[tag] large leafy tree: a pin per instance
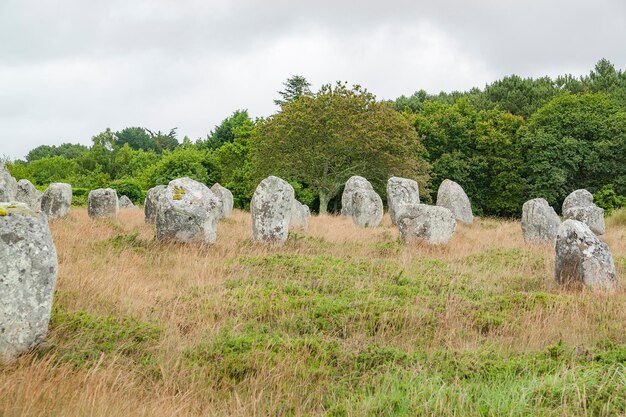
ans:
(226, 131)
(323, 139)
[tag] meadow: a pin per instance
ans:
(339, 321)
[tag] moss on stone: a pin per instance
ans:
(178, 193)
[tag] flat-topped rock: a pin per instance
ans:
(187, 212)
(352, 185)
(539, 221)
(57, 200)
(433, 224)
(28, 273)
(401, 191)
(582, 258)
(592, 216)
(300, 214)
(452, 196)
(226, 200)
(367, 208)
(270, 209)
(102, 203)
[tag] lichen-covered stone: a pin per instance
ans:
(452, 196)
(434, 224)
(578, 198)
(28, 272)
(353, 184)
(401, 191)
(270, 209)
(57, 200)
(28, 194)
(151, 202)
(126, 203)
(187, 211)
(102, 203)
(581, 258)
(539, 221)
(592, 216)
(226, 199)
(300, 214)
(8, 185)
(367, 208)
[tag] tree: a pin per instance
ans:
(165, 141)
(295, 86)
(182, 162)
(66, 150)
(225, 131)
(322, 140)
(137, 138)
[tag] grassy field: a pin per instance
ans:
(339, 321)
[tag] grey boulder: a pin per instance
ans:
(539, 221)
(28, 273)
(102, 203)
(8, 185)
(270, 209)
(226, 199)
(367, 208)
(578, 198)
(452, 196)
(582, 258)
(401, 191)
(187, 212)
(432, 224)
(352, 185)
(28, 194)
(57, 200)
(300, 215)
(151, 202)
(126, 203)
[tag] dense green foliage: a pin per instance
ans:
(515, 139)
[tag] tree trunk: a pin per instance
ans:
(323, 202)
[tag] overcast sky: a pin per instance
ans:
(71, 68)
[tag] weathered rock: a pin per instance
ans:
(367, 208)
(57, 200)
(300, 214)
(28, 272)
(151, 202)
(187, 211)
(581, 258)
(271, 210)
(539, 221)
(8, 185)
(434, 224)
(592, 216)
(226, 199)
(125, 203)
(578, 198)
(451, 196)
(353, 184)
(102, 203)
(27, 193)
(401, 191)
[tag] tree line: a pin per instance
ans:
(515, 139)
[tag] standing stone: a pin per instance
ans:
(57, 200)
(579, 206)
(451, 196)
(102, 203)
(300, 214)
(401, 191)
(151, 202)
(187, 212)
(27, 193)
(578, 198)
(271, 210)
(581, 258)
(353, 184)
(125, 203)
(226, 199)
(433, 224)
(539, 221)
(8, 185)
(367, 208)
(28, 272)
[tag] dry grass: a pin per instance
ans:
(339, 321)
